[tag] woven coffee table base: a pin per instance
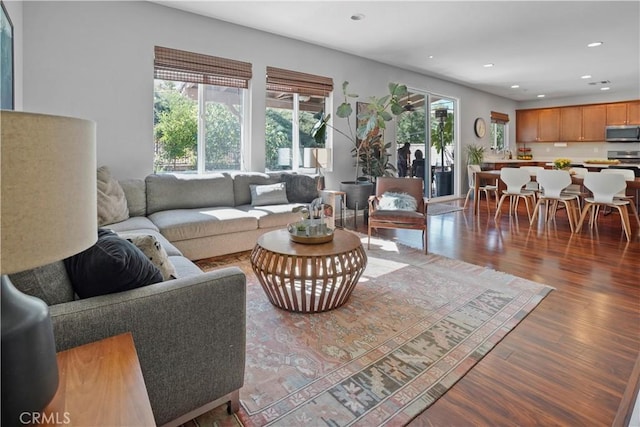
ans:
(308, 283)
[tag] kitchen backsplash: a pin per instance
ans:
(571, 150)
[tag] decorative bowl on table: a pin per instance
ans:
(310, 232)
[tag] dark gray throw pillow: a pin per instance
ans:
(111, 265)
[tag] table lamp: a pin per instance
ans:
(47, 213)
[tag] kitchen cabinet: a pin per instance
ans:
(623, 113)
(540, 125)
(583, 123)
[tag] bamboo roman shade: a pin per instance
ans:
(281, 80)
(499, 117)
(183, 66)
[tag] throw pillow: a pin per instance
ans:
(112, 203)
(397, 202)
(111, 265)
(153, 250)
(272, 194)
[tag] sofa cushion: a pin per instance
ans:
(274, 215)
(50, 283)
(112, 203)
(167, 192)
(133, 223)
(111, 265)
(184, 267)
(242, 181)
(135, 190)
(184, 224)
(152, 249)
(271, 194)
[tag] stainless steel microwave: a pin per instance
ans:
(625, 133)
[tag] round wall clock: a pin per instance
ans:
(480, 127)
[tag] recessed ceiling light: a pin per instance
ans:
(515, 86)
(540, 96)
(488, 65)
(594, 44)
(430, 56)
(586, 76)
(357, 17)
(605, 88)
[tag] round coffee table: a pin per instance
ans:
(308, 278)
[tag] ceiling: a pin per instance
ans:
(539, 45)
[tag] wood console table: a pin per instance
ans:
(101, 384)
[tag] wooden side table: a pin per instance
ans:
(308, 278)
(101, 384)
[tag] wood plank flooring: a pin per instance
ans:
(568, 363)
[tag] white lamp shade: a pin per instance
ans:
(47, 189)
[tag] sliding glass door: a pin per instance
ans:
(429, 125)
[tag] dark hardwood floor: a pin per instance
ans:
(568, 363)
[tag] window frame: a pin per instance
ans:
(207, 70)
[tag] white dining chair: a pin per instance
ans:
(515, 179)
(605, 187)
(577, 189)
(552, 183)
(471, 171)
(533, 171)
(629, 175)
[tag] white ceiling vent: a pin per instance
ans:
(601, 82)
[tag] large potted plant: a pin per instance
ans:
(369, 149)
(441, 139)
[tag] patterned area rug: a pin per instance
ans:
(414, 326)
(441, 208)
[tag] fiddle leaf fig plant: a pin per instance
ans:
(369, 149)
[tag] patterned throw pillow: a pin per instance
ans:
(153, 250)
(397, 202)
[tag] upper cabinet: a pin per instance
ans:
(541, 125)
(623, 113)
(581, 123)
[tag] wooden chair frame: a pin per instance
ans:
(399, 219)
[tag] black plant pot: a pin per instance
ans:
(444, 183)
(358, 193)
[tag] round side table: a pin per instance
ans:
(308, 278)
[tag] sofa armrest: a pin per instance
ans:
(189, 334)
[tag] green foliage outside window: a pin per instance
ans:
(176, 128)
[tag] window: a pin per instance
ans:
(199, 111)
(499, 140)
(294, 101)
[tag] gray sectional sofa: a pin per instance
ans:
(189, 332)
(212, 216)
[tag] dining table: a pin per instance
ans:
(493, 177)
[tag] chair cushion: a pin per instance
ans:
(397, 216)
(111, 265)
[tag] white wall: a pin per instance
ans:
(95, 60)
